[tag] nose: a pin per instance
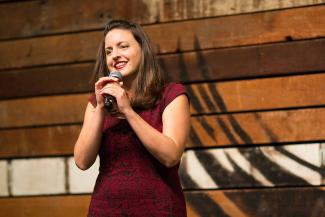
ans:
(115, 54)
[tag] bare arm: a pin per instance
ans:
(169, 145)
(88, 142)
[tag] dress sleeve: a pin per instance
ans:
(172, 91)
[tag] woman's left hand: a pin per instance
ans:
(116, 90)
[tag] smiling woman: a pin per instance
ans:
(140, 149)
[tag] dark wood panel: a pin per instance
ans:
(219, 64)
(258, 128)
(207, 131)
(283, 202)
(257, 94)
(230, 96)
(267, 166)
(58, 49)
(45, 141)
(305, 202)
(239, 30)
(51, 17)
(244, 62)
(73, 78)
(51, 110)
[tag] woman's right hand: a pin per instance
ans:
(99, 86)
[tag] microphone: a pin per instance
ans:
(110, 101)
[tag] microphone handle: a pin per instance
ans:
(109, 102)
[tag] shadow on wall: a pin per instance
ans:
(267, 172)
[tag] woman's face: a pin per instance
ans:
(123, 52)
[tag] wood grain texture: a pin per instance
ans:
(264, 202)
(239, 30)
(53, 206)
(43, 110)
(268, 166)
(300, 125)
(35, 142)
(207, 131)
(257, 94)
(218, 64)
(34, 18)
(280, 202)
(74, 78)
(206, 98)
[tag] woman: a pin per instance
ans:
(139, 145)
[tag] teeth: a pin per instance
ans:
(120, 64)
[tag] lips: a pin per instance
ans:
(120, 65)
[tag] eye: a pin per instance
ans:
(123, 46)
(108, 52)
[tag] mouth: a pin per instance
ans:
(120, 65)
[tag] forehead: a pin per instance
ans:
(118, 35)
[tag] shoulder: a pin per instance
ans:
(171, 91)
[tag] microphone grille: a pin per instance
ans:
(115, 74)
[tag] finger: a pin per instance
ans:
(104, 81)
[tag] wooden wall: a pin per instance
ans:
(254, 71)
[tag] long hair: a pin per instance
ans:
(150, 80)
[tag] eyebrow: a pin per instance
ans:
(117, 44)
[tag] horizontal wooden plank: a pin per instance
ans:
(43, 110)
(230, 96)
(52, 206)
(53, 17)
(45, 141)
(253, 61)
(257, 94)
(300, 125)
(46, 81)
(207, 131)
(244, 62)
(269, 166)
(234, 203)
(239, 30)
(260, 202)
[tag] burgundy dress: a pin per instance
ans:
(131, 182)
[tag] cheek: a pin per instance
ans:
(108, 62)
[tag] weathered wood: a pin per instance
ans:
(50, 110)
(245, 62)
(33, 18)
(45, 141)
(219, 64)
(240, 30)
(73, 78)
(49, 50)
(54, 206)
(258, 128)
(207, 131)
(230, 96)
(260, 202)
(59, 16)
(258, 94)
(280, 202)
(269, 166)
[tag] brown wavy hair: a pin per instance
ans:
(150, 80)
